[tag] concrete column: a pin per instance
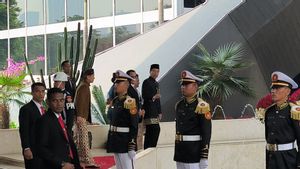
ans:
(160, 12)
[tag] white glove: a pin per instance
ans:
(203, 163)
(131, 154)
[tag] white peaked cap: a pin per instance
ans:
(281, 79)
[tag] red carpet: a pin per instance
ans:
(105, 161)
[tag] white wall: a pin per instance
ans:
(165, 45)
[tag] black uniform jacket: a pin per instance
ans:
(53, 147)
(117, 142)
(190, 123)
(280, 128)
(152, 108)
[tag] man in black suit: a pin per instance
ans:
(60, 79)
(29, 114)
(70, 85)
(152, 107)
(55, 146)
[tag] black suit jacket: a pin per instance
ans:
(70, 86)
(152, 108)
(28, 115)
(53, 148)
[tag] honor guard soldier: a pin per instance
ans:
(124, 124)
(193, 126)
(60, 79)
(282, 125)
(152, 107)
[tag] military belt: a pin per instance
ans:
(119, 129)
(280, 147)
(151, 121)
(179, 137)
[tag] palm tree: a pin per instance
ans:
(218, 70)
(11, 91)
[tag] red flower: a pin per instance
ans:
(265, 102)
(295, 96)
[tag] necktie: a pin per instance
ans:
(62, 125)
(42, 110)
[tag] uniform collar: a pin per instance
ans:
(282, 106)
(191, 99)
(122, 97)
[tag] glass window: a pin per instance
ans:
(52, 51)
(105, 38)
(75, 10)
(35, 48)
(100, 8)
(3, 16)
(167, 3)
(16, 13)
(55, 11)
(150, 5)
(126, 32)
(128, 6)
(149, 26)
(17, 49)
(35, 12)
(3, 53)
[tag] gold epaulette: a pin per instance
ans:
(295, 111)
(260, 114)
(202, 107)
(130, 104)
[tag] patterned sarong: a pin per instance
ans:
(82, 142)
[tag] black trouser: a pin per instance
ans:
(281, 159)
(151, 135)
(32, 164)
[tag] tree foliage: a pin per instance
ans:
(219, 72)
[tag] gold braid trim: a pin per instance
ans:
(130, 104)
(202, 107)
(295, 111)
(260, 114)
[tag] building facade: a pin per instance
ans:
(35, 27)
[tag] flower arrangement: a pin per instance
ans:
(11, 85)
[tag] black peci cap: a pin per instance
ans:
(154, 66)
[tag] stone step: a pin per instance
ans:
(15, 160)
